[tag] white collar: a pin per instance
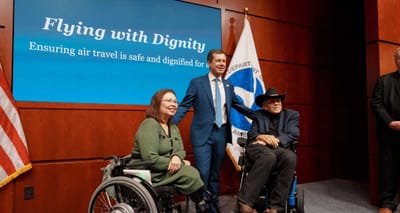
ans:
(211, 77)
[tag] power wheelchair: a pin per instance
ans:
(126, 189)
(295, 202)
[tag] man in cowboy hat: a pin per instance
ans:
(269, 139)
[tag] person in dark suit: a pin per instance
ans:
(212, 98)
(269, 139)
(385, 103)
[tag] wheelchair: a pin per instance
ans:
(295, 202)
(126, 188)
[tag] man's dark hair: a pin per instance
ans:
(210, 55)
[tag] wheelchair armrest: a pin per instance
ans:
(126, 159)
(140, 164)
(111, 157)
(123, 159)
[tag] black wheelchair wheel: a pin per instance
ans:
(121, 195)
(300, 201)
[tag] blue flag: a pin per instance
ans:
(245, 74)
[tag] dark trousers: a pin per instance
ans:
(209, 158)
(389, 165)
(264, 161)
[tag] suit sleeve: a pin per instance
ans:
(240, 107)
(186, 103)
(292, 132)
(377, 105)
(254, 130)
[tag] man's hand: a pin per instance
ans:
(269, 140)
(395, 125)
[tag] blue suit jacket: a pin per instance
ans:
(199, 96)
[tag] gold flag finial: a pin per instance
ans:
(246, 10)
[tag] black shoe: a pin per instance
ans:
(202, 207)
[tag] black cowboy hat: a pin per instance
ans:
(269, 94)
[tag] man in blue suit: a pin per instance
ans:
(211, 96)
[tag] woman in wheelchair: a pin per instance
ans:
(159, 139)
(268, 150)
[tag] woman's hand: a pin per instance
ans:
(187, 163)
(174, 164)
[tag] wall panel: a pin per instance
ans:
(7, 197)
(58, 187)
(388, 19)
(386, 57)
(294, 80)
(314, 130)
(77, 134)
(278, 41)
(371, 20)
(229, 177)
(307, 12)
(314, 163)
(373, 66)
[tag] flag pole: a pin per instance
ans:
(244, 67)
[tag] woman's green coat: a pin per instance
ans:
(152, 143)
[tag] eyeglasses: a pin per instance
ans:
(174, 101)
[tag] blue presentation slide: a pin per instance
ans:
(109, 51)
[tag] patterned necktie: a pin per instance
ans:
(218, 112)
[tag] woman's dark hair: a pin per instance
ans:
(154, 108)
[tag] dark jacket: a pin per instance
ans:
(385, 103)
(288, 130)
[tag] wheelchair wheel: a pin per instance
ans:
(121, 195)
(300, 201)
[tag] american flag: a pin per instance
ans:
(14, 155)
